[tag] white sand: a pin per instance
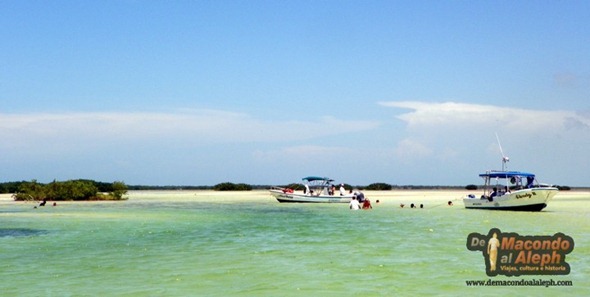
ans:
(394, 197)
(6, 197)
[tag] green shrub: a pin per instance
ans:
(67, 190)
(378, 187)
(30, 191)
(119, 189)
(227, 186)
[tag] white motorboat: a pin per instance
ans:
(511, 190)
(317, 190)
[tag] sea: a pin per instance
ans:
(204, 243)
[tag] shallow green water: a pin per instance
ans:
(159, 246)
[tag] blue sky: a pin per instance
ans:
(266, 92)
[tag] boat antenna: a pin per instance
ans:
(505, 159)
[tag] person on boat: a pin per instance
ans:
(342, 190)
(367, 204)
(494, 193)
(307, 191)
(332, 190)
(354, 204)
(529, 182)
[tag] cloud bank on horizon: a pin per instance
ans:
(464, 117)
(550, 142)
(438, 140)
(195, 127)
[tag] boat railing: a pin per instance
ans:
(282, 189)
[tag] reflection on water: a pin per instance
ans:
(16, 232)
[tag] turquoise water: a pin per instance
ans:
(161, 244)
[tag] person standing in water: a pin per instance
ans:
(354, 204)
(367, 204)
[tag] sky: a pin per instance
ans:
(268, 92)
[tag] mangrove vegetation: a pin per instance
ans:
(71, 190)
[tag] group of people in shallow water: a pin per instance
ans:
(366, 204)
(411, 205)
(449, 203)
(355, 203)
(43, 202)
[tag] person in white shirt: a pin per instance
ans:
(342, 190)
(354, 204)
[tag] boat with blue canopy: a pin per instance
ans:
(317, 189)
(511, 190)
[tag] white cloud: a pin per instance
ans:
(461, 137)
(71, 131)
(463, 116)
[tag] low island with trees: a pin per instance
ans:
(71, 190)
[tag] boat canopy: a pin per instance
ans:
(506, 174)
(314, 178)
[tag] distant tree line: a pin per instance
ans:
(389, 187)
(169, 187)
(379, 187)
(232, 187)
(65, 190)
(89, 189)
(374, 187)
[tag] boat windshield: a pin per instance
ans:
(501, 182)
(320, 185)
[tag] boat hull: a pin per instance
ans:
(534, 199)
(286, 197)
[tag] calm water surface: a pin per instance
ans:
(161, 244)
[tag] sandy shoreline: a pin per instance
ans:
(427, 197)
